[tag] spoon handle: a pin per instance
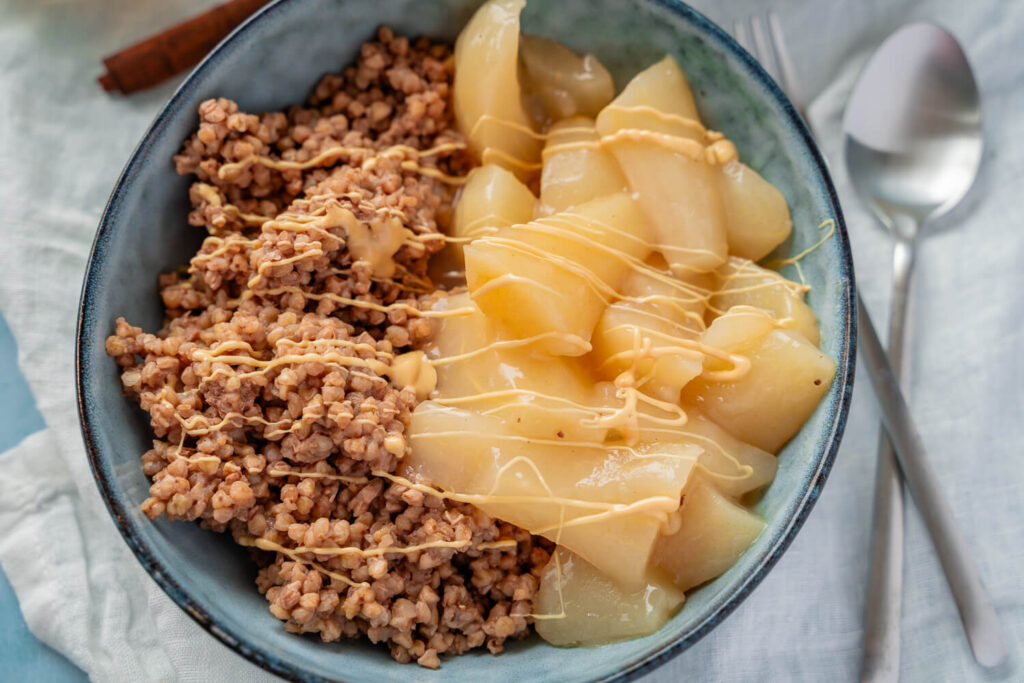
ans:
(881, 657)
(976, 612)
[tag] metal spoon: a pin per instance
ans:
(913, 147)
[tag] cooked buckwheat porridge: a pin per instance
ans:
(279, 448)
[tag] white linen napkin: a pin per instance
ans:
(63, 142)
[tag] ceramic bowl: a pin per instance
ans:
(271, 62)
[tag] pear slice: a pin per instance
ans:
(742, 283)
(576, 168)
(596, 609)
(712, 533)
(653, 130)
(554, 277)
(756, 214)
(605, 502)
(486, 91)
(561, 83)
(787, 377)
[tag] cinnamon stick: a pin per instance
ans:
(180, 47)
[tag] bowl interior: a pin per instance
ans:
(272, 62)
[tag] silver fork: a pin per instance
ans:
(884, 603)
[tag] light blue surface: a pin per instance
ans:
(22, 656)
(145, 231)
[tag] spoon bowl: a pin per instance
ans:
(913, 128)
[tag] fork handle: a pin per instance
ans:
(880, 661)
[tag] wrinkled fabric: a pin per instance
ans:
(63, 143)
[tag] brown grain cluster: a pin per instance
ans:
(267, 389)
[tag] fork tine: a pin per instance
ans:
(790, 83)
(763, 48)
(739, 32)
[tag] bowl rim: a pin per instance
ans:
(649, 660)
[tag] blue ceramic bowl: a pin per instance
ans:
(271, 62)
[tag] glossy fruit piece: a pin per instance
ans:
(558, 488)
(713, 531)
(596, 609)
(741, 282)
(486, 91)
(663, 87)
(756, 214)
(555, 276)
(541, 396)
(492, 198)
(560, 83)
(576, 168)
(657, 312)
(733, 466)
(767, 404)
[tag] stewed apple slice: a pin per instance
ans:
(734, 467)
(658, 98)
(554, 276)
(645, 332)
(479, 368)
(532, 295)
(653, 130)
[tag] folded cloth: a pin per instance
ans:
(63, 141)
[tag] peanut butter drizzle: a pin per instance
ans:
(650, 506)
(317, 475)
(210, 195)
(223, 245)
(270, 546)
(414, 370)
(508, 344)
(334, 154)
(795, 260)
(696, 126)
(294, 553)
(747, 270)
(190, 424)
(328, 358)
(706, 145)
(355, 303)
